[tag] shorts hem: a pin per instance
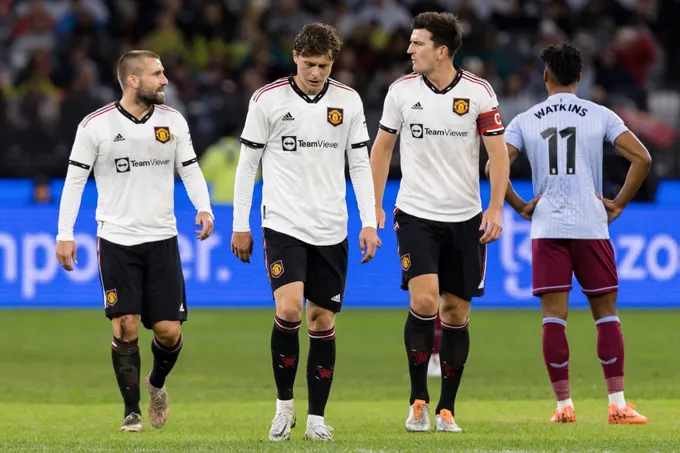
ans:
(600, 291)
(335, 308)
(552, 289)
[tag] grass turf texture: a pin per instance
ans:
(58, 392)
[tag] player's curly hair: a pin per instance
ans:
(445, 28)
(564, 62)
(317, 39)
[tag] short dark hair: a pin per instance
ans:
(446, 29)
(317, 39)
(127, 64)
(564, 62)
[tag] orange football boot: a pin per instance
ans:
(566, 415)
(627, 416)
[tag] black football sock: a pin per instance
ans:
(126, 365)
(164, 358)
(453, 355)
(419, 340)
(285, 347)
(320, 368)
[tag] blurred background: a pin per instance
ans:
(59, 56)
(58, 61)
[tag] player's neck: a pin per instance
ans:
(552, 90)
(309, 92)
(442, 76)
(133, 107)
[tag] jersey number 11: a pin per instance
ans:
(570, 134)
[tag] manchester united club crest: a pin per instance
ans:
(461, 106)
(406, 262)
(276, 269)
(111, 297)
(334, 116)
(162, 134)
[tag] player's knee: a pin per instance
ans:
(167, 332)
(291, 312)
(454, 313)
(555, 305)
(425, 302)
(603, 306)
(126, 327)
(319, 319)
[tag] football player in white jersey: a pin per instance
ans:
(563, 138)
(301, 127)
(441, 111)
(134, 147)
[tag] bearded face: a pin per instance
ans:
(151, 94)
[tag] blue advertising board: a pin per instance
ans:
(646, 239)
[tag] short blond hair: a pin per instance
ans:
(128, 64)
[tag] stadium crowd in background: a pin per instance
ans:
(60, 55)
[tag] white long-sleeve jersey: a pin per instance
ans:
(302, 143)
(134, 163)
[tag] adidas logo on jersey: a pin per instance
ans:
(336, 298)
(288, 117)
(119, 138)
(417, 106)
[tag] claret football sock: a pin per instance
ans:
(453, 355)
(610, 350)
(126, 365)
(285, 349)
(556, 356)
(419, 340)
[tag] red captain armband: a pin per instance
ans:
(489, 123)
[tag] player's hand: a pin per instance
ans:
(380, 217)
(242, 245)
(368, 243)
(613, 209)
(527, 212)
(205, 220)
(66, 251)
(492, 225)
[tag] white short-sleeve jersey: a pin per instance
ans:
(439, 143)
(563, 137)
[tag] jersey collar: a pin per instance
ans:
(562, 95)
(299, 92)
(133, 118)
(454, 82)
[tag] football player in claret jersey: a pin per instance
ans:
(301, 127)
(440, 111)
(563, 138)
(134, 147)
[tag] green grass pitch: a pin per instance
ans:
(58, 392)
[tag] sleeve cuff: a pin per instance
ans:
(387, 129)
(372, 224)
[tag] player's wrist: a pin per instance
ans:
(495, 206)
(205, 211)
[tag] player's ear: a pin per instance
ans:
(578, 79)
(295, 57)
(546, 77)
